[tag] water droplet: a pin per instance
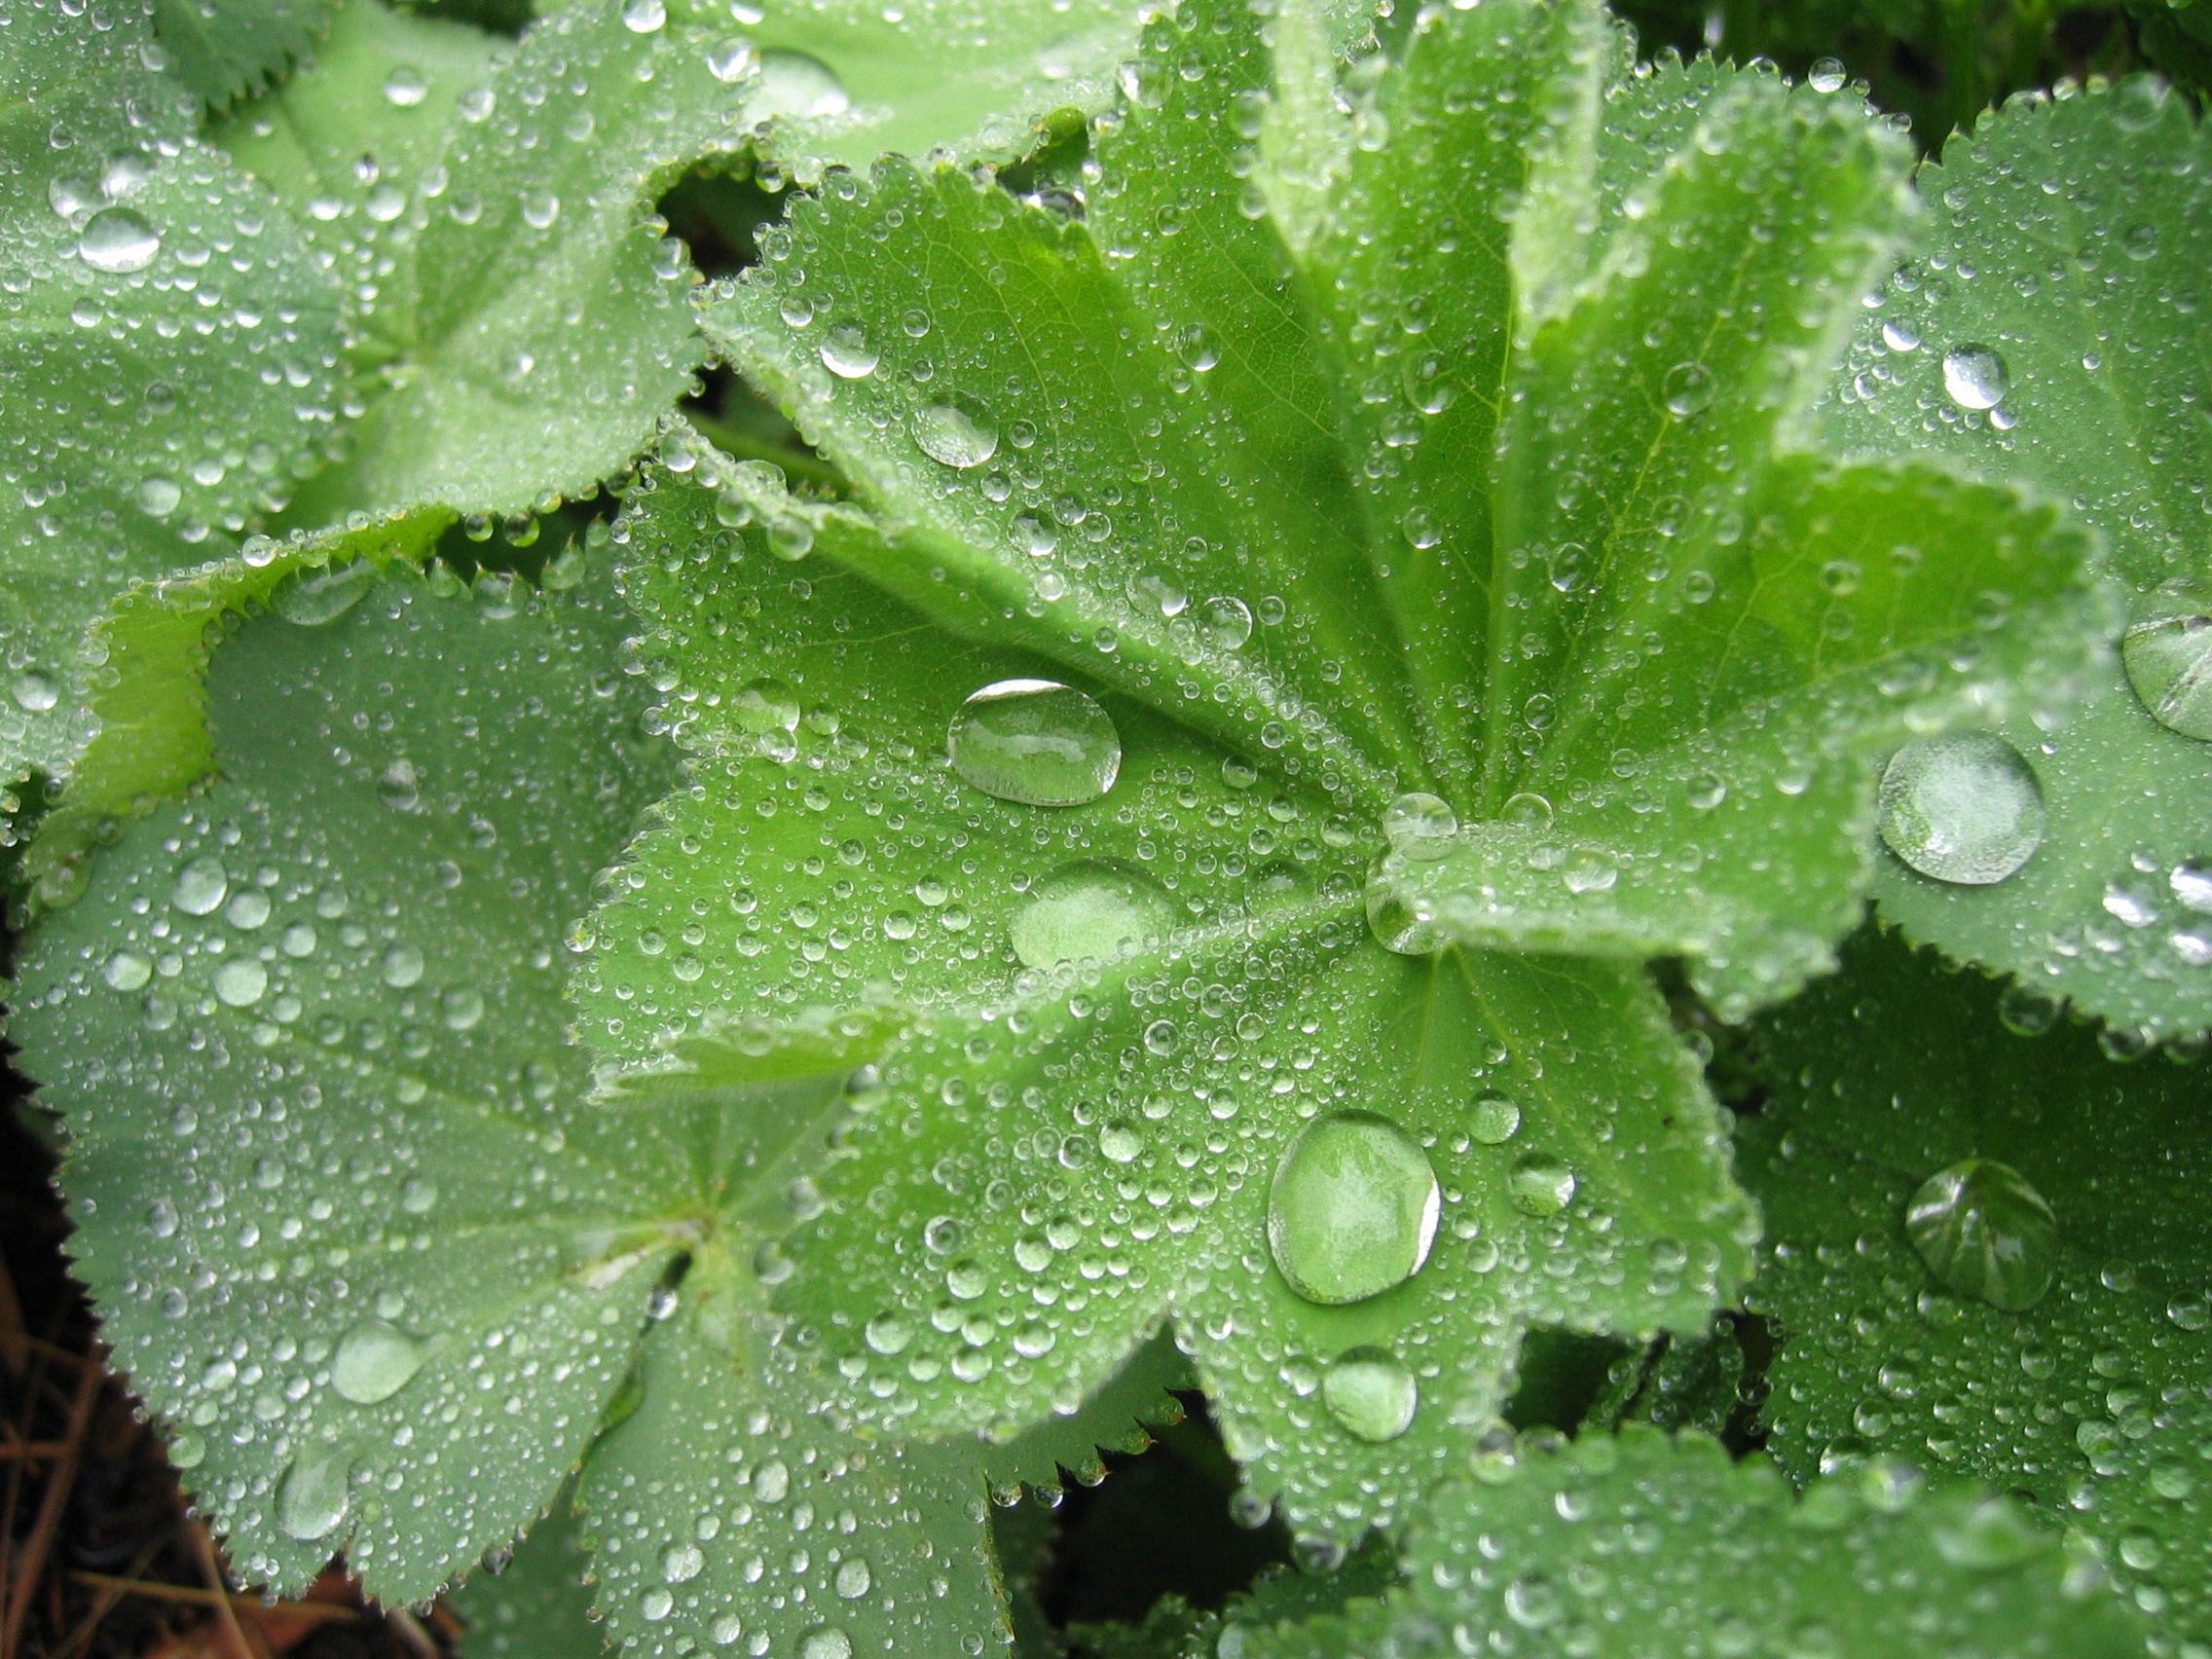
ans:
(418, 1197)
(1036, 742)
(399, 787)
(2167, 651)
(324, 596)
(117, 240)
(128, 971)
(405, 87)
(1198, 346)
(374, 1360)
(846, 352)
(826, 1641)
(539, 209)
(2028, 1010)
(1985, 1233)
(158, 498)
(795, 86)
(240, 982)
(730, 61)
(1974, 376)
(1689, 389)
(314, 1497)
(35, 692)
(1420, 825)
(1541, 1186)
(952, 436)
(854, 1578)
(1227, 623)
(680, 1564)
(1826, 75)
(888, 1334)
(1371, 1394)
(402, 967)
(655, 1604)
(201, 886)
(645, 17)
(1495, 1119)
(1964, 808)
(1086, 912)
(1353, 1208)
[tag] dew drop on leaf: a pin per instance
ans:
(324, 596)
(730, 59)
(1826, 75)
(1495, 1119)
(128, 971)
(1420, 825)
(374, 1360)
(1353, 1208)
(645, 17)
(1371, 1394)
(1974, 376)
(953, 437)
(1088, 911)
(853, 1576)
(313, 1498)
(1689, 389)
(117, 240)
(826, 1641)
(240, 982)
(846, 352)
(2167, 651)
(1036, 742)
(201, 886)
(1963, 808)
(795, 85)
(1541, 1186)
(405, 87)
(1984, 1231)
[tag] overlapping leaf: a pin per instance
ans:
(353, 1227)
(2090, 1399)
(223, 49)
(1644, 1548)
(169, 364)
(2055, 330)
(1219, 453)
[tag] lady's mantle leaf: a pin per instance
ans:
(169, 352)
(222, 49)
(355, 1231)
(2039, 1320)
(539, 1607)
(1641, 1547)
(2055, 330)
(1056, 1159)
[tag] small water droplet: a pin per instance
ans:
(1495, 1120)
(374, 1361)
(1352, 1210)
(846, 354)
(314, 1497)
(888, 1334)
(730, 61)
(852, 1579)
(1974, 376)
(826, 1641)
(1225, 621)
(240, 982)
(953, 437)
(1984, 1231)
(1964, 808)
(398, 786)
(680, 1564)
(1198, 346)
(645, 17)
(117, 240)
(128, 971)
(1036, 742)
(1371, 1394)
(405, 87)
(1090, 911)
(324, 596)
(35, 692)
(1826, 75)
(201, 885)
(1420, 825)
(1541, 1185)
(1689, 389)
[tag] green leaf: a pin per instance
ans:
(1641, 1546)
(150, 700)
(2090, 1401)
(348, 1234)
(1175, 1630)
(169, 368)
(525, 321)
(2070, 250)
(1164, 454)
(1102, 1147)
(537, 1606)
(223, 49)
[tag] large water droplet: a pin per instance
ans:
(2169, 655)
(845, 353)
(1371, 1393)
(1420, 825)
(405, 87)
(1985, 1233)
(1964, 808)
(854, 1577)
(314, 1498)
(240, 982)
(325, 595)
(953, 437)
(1974, 376)
(1541, 1186)
(1089, 911)
(375, 1361)
(1689, 389)
(117, 241)
(645, 17)
(201, 886)
(1353, 1208)
(795, 86)
(1036, 742)
(1495, 1119)
(826, 1641)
